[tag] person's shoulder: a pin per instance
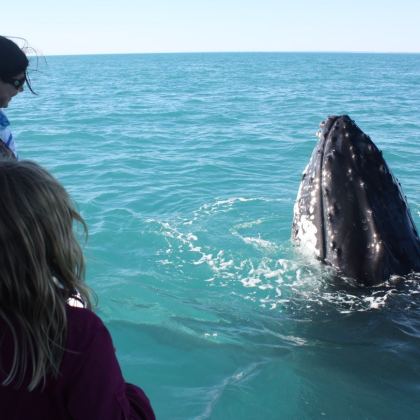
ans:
(83, 317)
(87, 337)
(82, 325)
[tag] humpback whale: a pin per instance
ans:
(350, 210)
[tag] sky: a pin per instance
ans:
(60, 27)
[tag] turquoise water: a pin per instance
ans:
(186, 168)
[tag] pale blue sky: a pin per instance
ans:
(130, 26)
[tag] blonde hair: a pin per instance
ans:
(41, 267)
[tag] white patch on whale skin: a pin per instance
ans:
(305, 229)
(306, 236)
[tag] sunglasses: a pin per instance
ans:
(17, 83)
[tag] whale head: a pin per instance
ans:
(350, 211)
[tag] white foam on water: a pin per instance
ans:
(260, 243)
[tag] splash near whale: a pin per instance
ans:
(350, 210)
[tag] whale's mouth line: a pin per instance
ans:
(324, 140)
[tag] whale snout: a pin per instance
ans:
(350, 210)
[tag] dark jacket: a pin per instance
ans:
(90, 385)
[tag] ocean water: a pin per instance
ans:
(186, 169)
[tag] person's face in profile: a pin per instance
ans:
(10, 87)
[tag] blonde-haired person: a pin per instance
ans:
(13, 76)
(56, 361)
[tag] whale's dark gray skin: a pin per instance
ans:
(350, 211)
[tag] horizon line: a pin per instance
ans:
(224, 52)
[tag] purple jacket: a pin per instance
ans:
(90, 385)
